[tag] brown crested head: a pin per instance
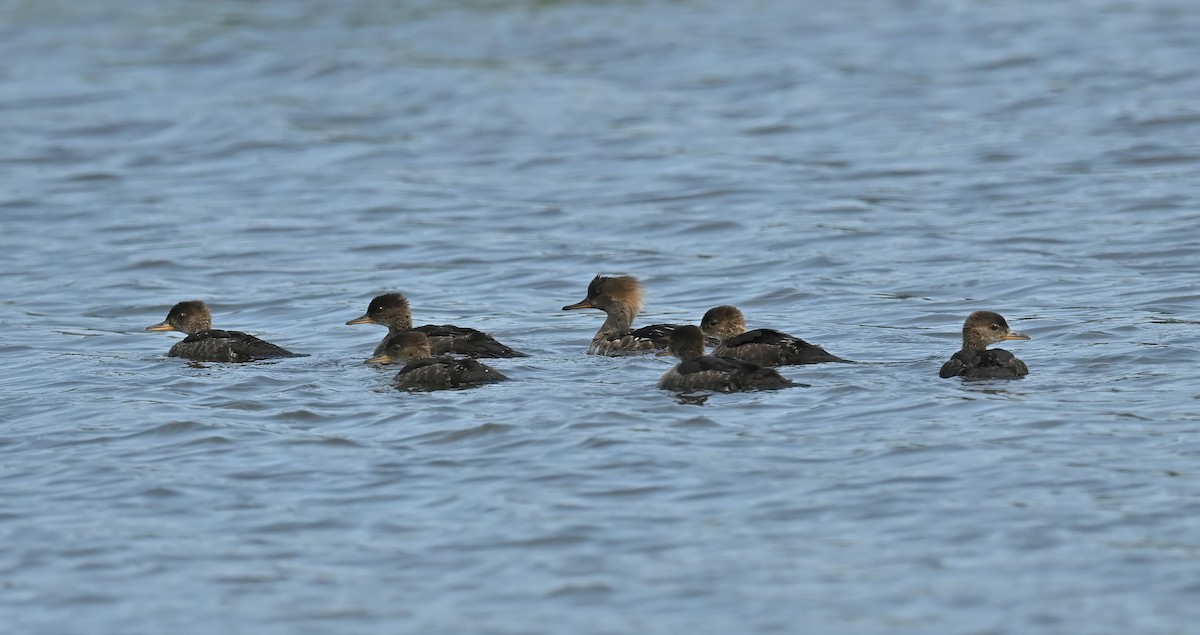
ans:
(390, 310)
(611, 292)
(403, 348)
(987, 327)
(687, 342)
(723, 322)
(191, 316)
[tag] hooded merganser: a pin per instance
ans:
(422, 371)
(976, 360)
(697, 371)
(765, 347)
(621, 298)
(391, 310)
(203, 344)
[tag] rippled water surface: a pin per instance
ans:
(861, 174)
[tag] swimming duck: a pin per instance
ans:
(976, 360)
(697, 371)
(422, 371)
(765, 347)
(204, 344)
(391, 310)
(621, 298)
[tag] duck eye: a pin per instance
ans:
(995, 327)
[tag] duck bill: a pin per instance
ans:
(582, 304)
(161, 326)
(663, 353)
(362, 319)
(379, 359)
(1015, 336)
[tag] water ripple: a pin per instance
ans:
(862, 178)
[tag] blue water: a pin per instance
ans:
(860, 174)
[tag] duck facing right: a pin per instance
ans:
(976, 360)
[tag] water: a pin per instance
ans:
(861, 174)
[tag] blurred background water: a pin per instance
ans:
(862, 174)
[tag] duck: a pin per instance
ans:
(765, 347)
(423, 371)
(205, 344)
(976, 360)
(392, 310)
(620, 297)
(697, 371)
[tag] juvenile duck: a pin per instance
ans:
(620, 297)
(204, 344)
(697, 371)
(765, 347)
(975, 360)
(422, 371)
(391, 310)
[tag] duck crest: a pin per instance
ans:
(626, 289)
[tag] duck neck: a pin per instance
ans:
(402, 324)
(620, 319)
(972, 342)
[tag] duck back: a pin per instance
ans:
(721, 374)
(994, 363)
(768, 347)
(226, 346)
(441, 373)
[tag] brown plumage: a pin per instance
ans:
(765, 347)
(620, 297)
(976, 360)
(205, 344)
(392, 310)
(422, 371)
(697, 371)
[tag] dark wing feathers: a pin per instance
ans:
(726, 374)
(954, 366)
(448, 339)
(769, 347)
(719, 364)
(763, 336)
(226, 346)
(659, 334)
(436, 373)
(995, 363)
